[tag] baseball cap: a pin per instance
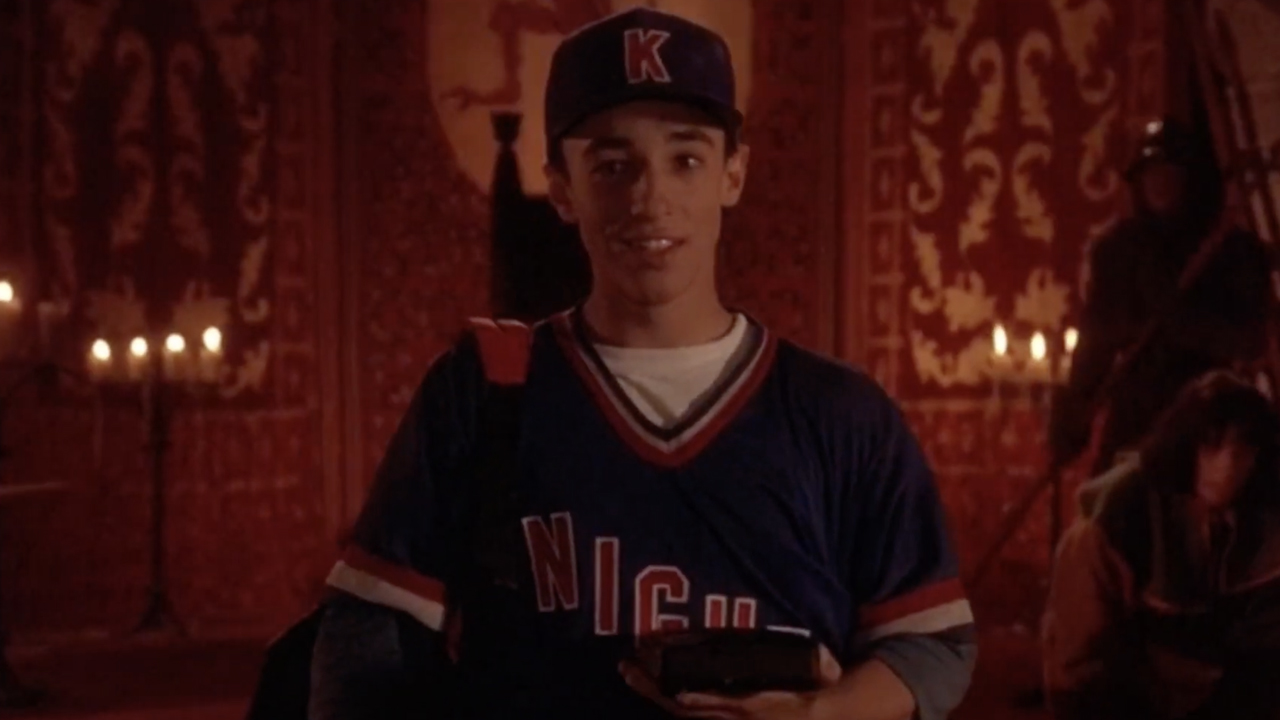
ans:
(639, 54)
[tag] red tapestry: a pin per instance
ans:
(174, 187)
(14, 131)
(155, 173)
(995, 146)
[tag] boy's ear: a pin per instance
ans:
(558, 193)
(735, 176)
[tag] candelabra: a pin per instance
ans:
(161, 380)
(124, 365)
(1034, 369)
(1031, 369)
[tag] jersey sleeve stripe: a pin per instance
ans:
(377, 581)
(947, 616)
(921, 599)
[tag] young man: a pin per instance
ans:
(678, 466)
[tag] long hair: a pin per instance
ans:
(1202, 414)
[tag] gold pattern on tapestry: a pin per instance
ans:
(1031, 98)
(252, 371)
(232, 29)
(1080, 24)
(186, 169)
(77, 27)
(254, 308)
(961, 355)
(228, 49)
(976, 226)
(1033, 216)
(963, 302)
(929, 156)
(118, 312)
(929, 264)
(986, 64)
(967, 304)
(964, 368)
(943, 35)
(1099, 181)
(1043, 302)
(133, 131)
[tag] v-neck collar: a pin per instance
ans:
(704, 420)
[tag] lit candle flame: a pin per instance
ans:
(212, 339)
(999, 340)
(1070, 338)
(101, 350)
(138, 347)
(1039, 349)
(175, 343)
(7, 294)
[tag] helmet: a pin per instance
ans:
(1163, 140)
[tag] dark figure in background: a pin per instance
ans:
(1219, 321)
(1165, 600)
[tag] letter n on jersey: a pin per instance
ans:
(657, 589)
(554, 561)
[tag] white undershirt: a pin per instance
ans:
(664, 382)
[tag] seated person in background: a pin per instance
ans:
(1165, 599)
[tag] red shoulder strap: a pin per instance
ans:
(504, 349)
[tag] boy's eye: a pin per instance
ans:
(688, 162)
(610, 168)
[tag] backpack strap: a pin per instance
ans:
(496, 539)
(504, 349)
(494, 543)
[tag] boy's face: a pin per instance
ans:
(646, 183)
(1222, 468)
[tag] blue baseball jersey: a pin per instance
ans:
(791, 497)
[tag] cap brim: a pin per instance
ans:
(1153, 156)
(728, 118)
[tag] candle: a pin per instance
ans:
(211, 355)
(174, 360)
(1001, 363)
(1070, 338)
(100, 361)
(1039, 347)
(999, 341)
(10, 315)
(1039, 369)
(136, 363)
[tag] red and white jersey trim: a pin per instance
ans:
(375, 580)
(931, 609)
(676, 445)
